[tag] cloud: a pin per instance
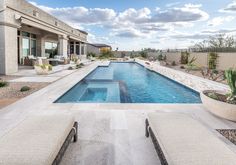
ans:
(229, 8)
(134, 16)
(204, 34)
(127, 33)
(220, 31)
(196, 36)
(188, 13)
(130, 23)
(219, 20)
(80, 15)
(99, 39)
(172, 4)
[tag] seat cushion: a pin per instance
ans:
(36, 140)
(185, 141)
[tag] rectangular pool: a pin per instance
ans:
(128, 83)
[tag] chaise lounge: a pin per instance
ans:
(38, 140)
(182, 140)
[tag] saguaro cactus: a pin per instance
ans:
(231, 79)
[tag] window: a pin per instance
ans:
(25, 34)
(72, 48)
(77, 49)
(50, 49)
(26, 46)
(33, 47)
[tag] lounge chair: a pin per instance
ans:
(38, 140)
(181, 140)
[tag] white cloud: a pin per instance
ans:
(230, 7)
(188, 13)
(80, 15)
(219, 20)
(172, 4)
(128, 33)
(139, 24)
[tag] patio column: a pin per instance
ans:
(80, 48)
(8, 49)
(42, 47)
(63, 45)
(85, 49)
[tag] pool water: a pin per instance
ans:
(128, 83)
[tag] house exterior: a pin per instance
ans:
(26, 30)
(98, 48)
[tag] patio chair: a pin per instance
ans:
(182, 140)
(38, 140)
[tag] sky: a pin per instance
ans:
(136, 24)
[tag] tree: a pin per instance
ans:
(143, 54)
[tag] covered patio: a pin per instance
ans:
(28, 35)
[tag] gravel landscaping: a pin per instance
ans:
(230, 134)
(12, 92)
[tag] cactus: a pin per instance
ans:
(231, 79)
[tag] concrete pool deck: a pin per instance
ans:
(108, 133)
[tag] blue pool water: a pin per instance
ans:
(128, 83)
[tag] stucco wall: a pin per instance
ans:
(23, 8)
(225, 60)
(93, 49)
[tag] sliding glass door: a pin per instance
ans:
(26, 47)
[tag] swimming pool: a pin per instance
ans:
(128, 83)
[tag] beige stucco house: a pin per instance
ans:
(26, 30)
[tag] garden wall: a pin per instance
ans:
(225, 60)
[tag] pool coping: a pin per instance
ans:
(165, 77)
(42, 101)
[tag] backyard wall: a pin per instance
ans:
(225, 60)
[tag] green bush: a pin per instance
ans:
(25, 88)
(143, 54)
(91, 54)
(173, 63)
(160, 57)
(3, 83)
(184, 57)
(70, 68)
(106, 55)
(79, 65)
(230, 75)
(45, 66)
(212, 60)
(182, 67)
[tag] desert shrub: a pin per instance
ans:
(230, 75)
(70, 68)
(25, 88)
(3, 83)
(91, 54)
(184, 57)
(173, 63)
(106, 55)
(192, 60)
(143, 54)
(160, 57)
(45, 66)
(79, 66)
(212, 60)
(132, 55)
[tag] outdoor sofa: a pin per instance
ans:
(38, 140)
(182, 140)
